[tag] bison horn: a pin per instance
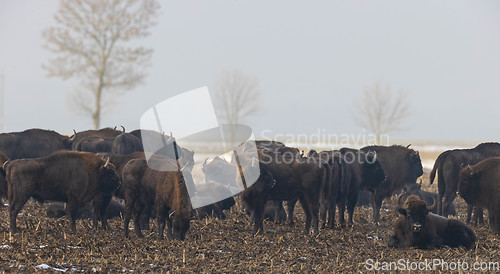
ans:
(72, 138)
(123, 129)
(374, 157)
(5, 164)
(205, 163)
(171, 215)
(114, 128)
(433, 206)
(471, 172)
(399, 200)
(107, 162)
(408, 146)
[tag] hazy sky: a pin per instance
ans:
(312, 59)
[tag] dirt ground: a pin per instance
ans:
(217, 246)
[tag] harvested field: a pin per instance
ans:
(217, 246)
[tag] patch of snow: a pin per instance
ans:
(4, 246)
(43, 246)
(46, 266)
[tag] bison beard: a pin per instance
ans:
(166, 190)
(419, 228)
(72, 177)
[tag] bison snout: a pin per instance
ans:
(417, 227)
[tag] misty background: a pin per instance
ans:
(312, 60)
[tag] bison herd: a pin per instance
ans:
(103, 173)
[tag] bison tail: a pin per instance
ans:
(437, 165)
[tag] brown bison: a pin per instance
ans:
(67, 176)
(449, 164)
(285, 178)
(166, 190)
(95, 144)
(366, 173)
(420, 228)
(58, 210)
(125, 144)
(79, 137)
(32, 143)
(429, 197)
(401, 165)
(479, 185)
(216, 210)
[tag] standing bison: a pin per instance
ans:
(32, 143)
(420, 228)
(401, 165)
(284, 177)
(67, 176)
(448, 166)
(166, 190)
(479, 185)
(366, 173)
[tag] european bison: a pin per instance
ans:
(32, 143)
(479, 185)
(167, 190)
(78, 137)
(420, 228)
(285, 178)
(95, 144)
(58, 210)
(401, 165)
(429, 197)
(449, 163)
(3, 180)
(216, 210)
(125, 144)
(67, 176)
(366, 173)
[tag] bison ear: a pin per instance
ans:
(402, 211)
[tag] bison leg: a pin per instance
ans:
(478, 215)
(277, 207)
(290, 207)
(72, 210)
(126, 217)
(352, 200)
(469, 214)
(448, 199)
(311, 211)
(323, 208)
(376, 205)
(137, 212)
(146, 215)
(341, 205)
(161, 218)
(100, 206)
(15, 206)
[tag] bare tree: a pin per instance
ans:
(90, 41)
(382, 110)
(236, 98)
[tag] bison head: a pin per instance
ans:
(415, 163)
(415, 212)
(467, 184)
(180, 224)
(108, 178)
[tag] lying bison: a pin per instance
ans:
(67, 176)
(216, 210)
(479, 185)
(58, 210)
(166, 190)
(418, 227)
(429, 197)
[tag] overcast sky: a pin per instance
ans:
(312, 59)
